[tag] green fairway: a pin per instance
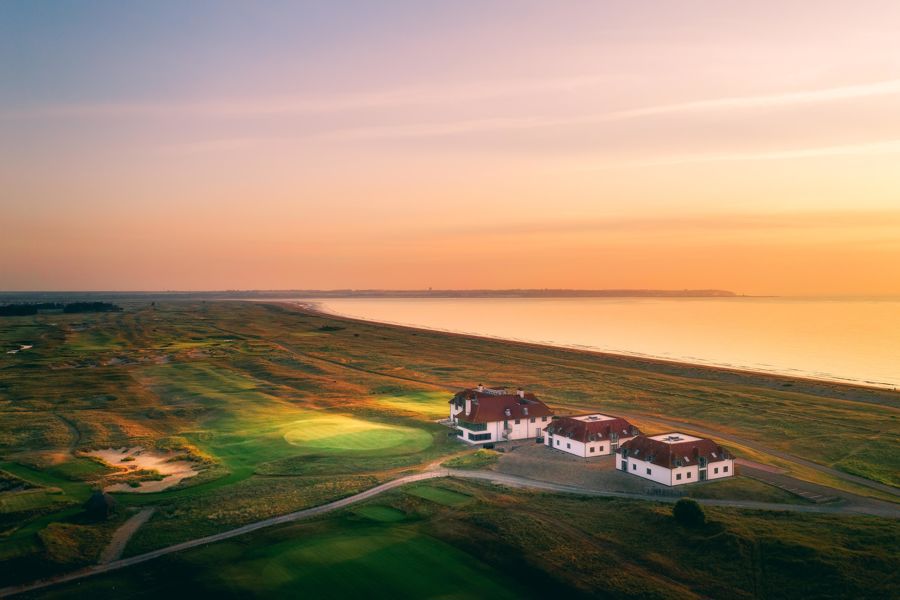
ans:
(338, 559)
(28, 500)
(383, 514)
(337, 433)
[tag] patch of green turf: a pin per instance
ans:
(340, 434)
(439, 495)
(79, 469)
(13, 502)
(384, 514)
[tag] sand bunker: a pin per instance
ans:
(22, 348)
(136, 459)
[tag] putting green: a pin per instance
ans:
(338, 433)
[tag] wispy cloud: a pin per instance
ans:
(873, 148)
(449, 94)
(846, 220)
(316, 103)
(459, 127)
(834, 94)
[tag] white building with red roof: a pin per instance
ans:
(589, 435)
(674, 459)
(484, 415)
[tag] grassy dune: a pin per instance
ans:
(283, 410)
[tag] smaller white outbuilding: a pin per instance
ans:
(674, 459)
(589, 435)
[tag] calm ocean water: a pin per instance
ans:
(853, 340)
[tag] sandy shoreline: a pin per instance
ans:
(854, 391)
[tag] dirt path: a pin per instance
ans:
(876, 508)
(73, 428)
(120, 538)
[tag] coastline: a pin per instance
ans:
(834, 388)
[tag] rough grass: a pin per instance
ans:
(433, 405)
(511, 543)
(480, 459)
(228, 380)
(439, 495)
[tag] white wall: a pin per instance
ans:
(720, 465)
(524, 430)
(658, 474)
(669, 476)
(689, 474)
(601, 447)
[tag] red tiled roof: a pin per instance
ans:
(487, 408)
(589, 431)
(679, 454)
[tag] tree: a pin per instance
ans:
(688, 513)
(100, 506)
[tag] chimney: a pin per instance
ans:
(468, 406)
(520, 392)
(480, 387)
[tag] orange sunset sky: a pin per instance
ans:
(229, 145)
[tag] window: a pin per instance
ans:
(601, 448)
(689, 475)
(678, 476)
(557, 442)
(477, 437)
(568, 445)
(648, 470)
(593, 449)
(532, 419)
(716, 470)
(543, 419)
(472, 426)
(725, 469)
(517, 421)
(634, 468)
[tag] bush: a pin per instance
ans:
(688, 513)
(71, 544)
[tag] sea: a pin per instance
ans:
(851, 340)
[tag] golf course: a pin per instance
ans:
(279, 409)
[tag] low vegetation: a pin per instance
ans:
(281, 410)
(516, 544)
(480, 459)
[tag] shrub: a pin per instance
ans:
(688, 513)
(71, 544)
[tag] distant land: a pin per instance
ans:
(372, 293)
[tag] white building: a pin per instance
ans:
(674, 459)
(485, 415)
(589, 435)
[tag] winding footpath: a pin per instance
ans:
(882, 509)
(120, 538)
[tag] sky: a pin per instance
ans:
(748, 146)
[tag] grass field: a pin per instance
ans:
(349, 434)
(515, 544)
(283, 410)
